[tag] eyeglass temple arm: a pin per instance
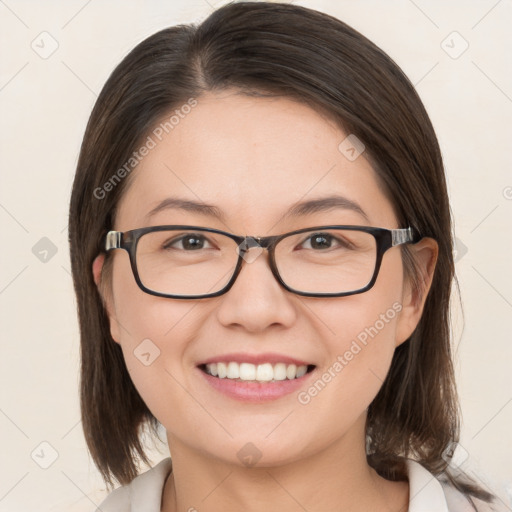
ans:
(401, 236)
(113, 240)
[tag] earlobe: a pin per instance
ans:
(425, 254)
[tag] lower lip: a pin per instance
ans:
(255, 391)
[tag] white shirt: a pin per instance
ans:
(426, 492)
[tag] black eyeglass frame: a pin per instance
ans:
(385, 239)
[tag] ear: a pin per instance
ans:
(425, 253)
(97, 267)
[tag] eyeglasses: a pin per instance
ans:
(191, 262)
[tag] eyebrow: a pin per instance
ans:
(297, 210)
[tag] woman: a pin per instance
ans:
(262, 254)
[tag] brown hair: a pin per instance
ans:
(272, 49)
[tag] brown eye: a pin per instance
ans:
(324, 241)
(189, 242)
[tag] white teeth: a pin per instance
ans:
(247, 371)
(221, 370)
(291, 371)
(280, 371)
(263, 372)
(301, 370)
(233, 372)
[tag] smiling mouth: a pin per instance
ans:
(262, 373)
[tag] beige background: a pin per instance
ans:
(45, 102)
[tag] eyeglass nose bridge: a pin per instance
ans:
(249, 249)
(254, 242)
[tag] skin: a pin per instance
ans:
(226, 152)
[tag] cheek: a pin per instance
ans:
(360, 350)
(153, 334)
(140, 315)
(360, 336)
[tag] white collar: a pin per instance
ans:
(425, 490)
(146, 489)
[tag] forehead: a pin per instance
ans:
(251, 157)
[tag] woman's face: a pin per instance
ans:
(253, 159)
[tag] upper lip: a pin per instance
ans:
(269, 357)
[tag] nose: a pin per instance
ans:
(256, 300)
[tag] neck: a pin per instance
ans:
(338, 478)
